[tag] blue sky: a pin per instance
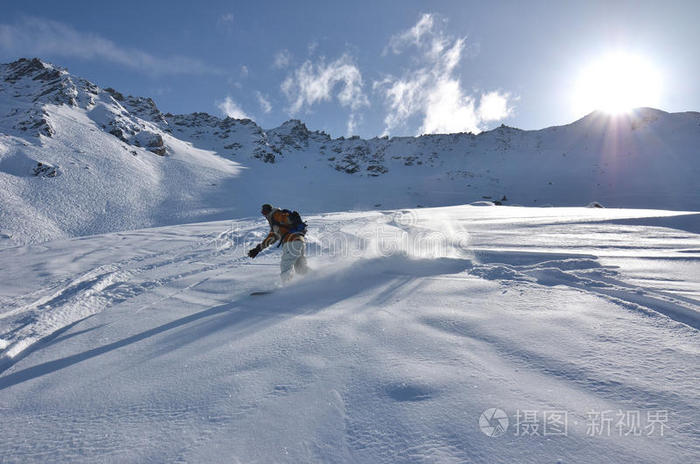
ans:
(368, 68)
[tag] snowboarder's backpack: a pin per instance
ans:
(296, 226)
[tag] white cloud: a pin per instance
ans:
(43, 37)
(226, 18)
(314, 83)
(494, 106)
(448, 110)
(414, 35)
(264, 103)
(244, 71)
(353, 121)
(432, 89)
(282, 59)
(231, 109)
(404, 97)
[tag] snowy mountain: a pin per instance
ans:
(76, 160)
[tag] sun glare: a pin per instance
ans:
(617, 83)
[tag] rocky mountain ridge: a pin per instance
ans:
(76, 159)
(138, 122)
(133, 120)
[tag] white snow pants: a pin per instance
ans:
(293, 259)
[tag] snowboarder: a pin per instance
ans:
(287, 227)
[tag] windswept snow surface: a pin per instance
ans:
(579, 324)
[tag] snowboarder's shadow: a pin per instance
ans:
(248, 315)
(391, 274)
(49, 367)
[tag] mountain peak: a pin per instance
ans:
(292, 125)
(293, 122)
(37, 82)
(33, 63)
(34, 67)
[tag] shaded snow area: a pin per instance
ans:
(457, 334)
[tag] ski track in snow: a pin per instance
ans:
(145, 346)
(101, 287)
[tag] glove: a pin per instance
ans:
(254, 252)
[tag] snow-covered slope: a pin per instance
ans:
(74, 161)
(78, 160)
(580, 324)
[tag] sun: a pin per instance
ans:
(616, 83)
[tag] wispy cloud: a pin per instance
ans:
(313, 83)
(282, 59)
(231, 109)
(413, 36)
(32, 36)
(431, 89)
(354, 120)
(264, 103)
